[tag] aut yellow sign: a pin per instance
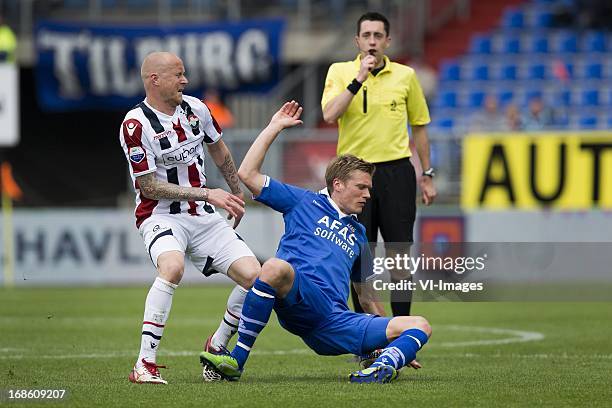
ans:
(569, 171)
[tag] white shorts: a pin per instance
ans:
(209, 242)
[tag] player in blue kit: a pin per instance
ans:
(324, 248)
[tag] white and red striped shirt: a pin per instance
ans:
(170, 146)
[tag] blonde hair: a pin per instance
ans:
(342, 166)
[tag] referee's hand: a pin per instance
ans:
(428, 189)
(367, 64)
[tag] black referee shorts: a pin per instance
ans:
(392, 206)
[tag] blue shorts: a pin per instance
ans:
(326, 328)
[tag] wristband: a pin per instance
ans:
(354, 86)
(206, 194)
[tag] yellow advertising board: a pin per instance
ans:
(565, 171)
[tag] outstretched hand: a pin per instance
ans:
(288, 115)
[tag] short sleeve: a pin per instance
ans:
(136, 147)
(280, 196)
(208, 124)
(333, 85)
(418, 113)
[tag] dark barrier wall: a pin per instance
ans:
(71, 159)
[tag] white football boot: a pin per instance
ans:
(147, 373)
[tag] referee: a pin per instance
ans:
(373, 100)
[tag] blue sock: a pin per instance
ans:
(402, 350)
(255, 314)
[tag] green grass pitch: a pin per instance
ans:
(85, 340)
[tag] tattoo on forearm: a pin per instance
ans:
(156, 189)
(228, 169)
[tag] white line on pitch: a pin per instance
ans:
(517, 336)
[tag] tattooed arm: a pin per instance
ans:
(156, 189)
(223, 159)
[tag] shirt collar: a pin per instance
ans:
(386, 68)
(158, 111)
(341, 214)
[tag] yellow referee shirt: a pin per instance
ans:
(375, 124)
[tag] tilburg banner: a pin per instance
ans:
(85, 66)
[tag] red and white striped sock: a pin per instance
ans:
(157, 309)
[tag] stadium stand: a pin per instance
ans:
(526, 56)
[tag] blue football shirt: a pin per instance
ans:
(325, 245)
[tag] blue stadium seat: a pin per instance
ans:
(476, 99)
(508, 71)
(511, 44)
(589, 97)
(447, 99)
(480, 72)
(594, 41)
(533, 93)
(537, 42)
(480, 44)
(565, 41)
(592, 70)
(536, 70)
(450, 71)
(562, 97)
(513, 18)
(587, 122)
(445, 123)
(542, 17)
(505, 96)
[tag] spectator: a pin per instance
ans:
(513, 118)
(539, 116)
(491, 119)
(219, 111)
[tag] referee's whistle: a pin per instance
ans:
(372, 53)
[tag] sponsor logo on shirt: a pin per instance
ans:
(183, 154)
(163, 134)
(343, 235)
(136, 154)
